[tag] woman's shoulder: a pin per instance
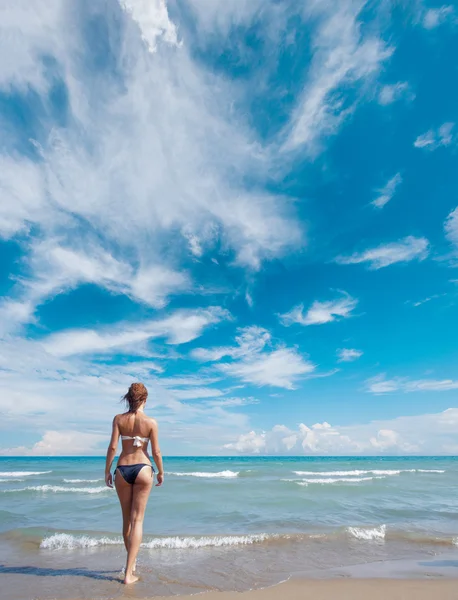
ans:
(119, 417)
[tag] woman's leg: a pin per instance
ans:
(141, 491)
(125, 493)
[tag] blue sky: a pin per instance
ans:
(250, 206)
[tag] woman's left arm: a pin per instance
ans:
(111, 453)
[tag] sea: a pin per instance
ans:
(226, 523)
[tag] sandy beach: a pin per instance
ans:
(344, 589)
(355, 589)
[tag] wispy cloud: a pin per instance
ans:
(279, 368)
(342, 56)
(435, 138)
(385, 194)
(253, 362)
(321, 312)
(408, 249)
(381, 385)
(393, 92)
(178, 328)
(451, 229)
(98, 199)
(348, 354)
(437, 16)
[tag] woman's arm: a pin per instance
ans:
(111, 453)
(156, 452)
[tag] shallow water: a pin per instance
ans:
(221, 523)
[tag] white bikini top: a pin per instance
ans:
(138, 441)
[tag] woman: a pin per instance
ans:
(134, 471)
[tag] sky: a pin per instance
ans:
(251, 206)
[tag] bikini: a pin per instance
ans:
(129, 472)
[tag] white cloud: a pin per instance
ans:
(196, 393)
(348, 354)
(393, 92)
(381, 385)
(178, 328)
(250, 340)
(81, 395)
(428, 434)
(433, 139)
(436, 16)
(252, 363)
(386, 193)
(61, 443)
(279, 368)
(451, 229)
(219, 19)
(343, 56)
(153, 19)
(321, 312)
(408, 249)
(150, 156)
(232, 402)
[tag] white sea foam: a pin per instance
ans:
(22, 473)
(60, 541)
(368, 472)
(431, 470)
(206, 541)
(11, 480)
(82, 480)
(60, 488)
(367, 533)
(324, 480)
(227, 474)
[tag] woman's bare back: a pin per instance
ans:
(134, 424)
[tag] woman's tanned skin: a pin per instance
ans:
(134, 497)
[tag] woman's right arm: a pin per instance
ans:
(156, 452)
(111, 453)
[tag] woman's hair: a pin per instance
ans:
(136, 395)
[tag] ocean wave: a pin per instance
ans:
(82, 480)
(226, 474)
(367, 533)
(59, 488)
(61, 541)
(368, 472)
(430, 470)
(336, 480)
(180, 543)
(11, 480)
(22, 473)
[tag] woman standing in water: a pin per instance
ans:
(134, 471)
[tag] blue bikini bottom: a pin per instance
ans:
(129, 472)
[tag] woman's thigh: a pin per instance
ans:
(141, 490)
(125, 495)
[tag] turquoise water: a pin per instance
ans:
(308, 514)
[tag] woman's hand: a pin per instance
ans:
(109, 479)
(160, 479)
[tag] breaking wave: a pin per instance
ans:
(367, 533)
(226, 474)
(82, 480)
(326, 480)
(22, 473)
(368, 472)
(59, 488)
(61, 541)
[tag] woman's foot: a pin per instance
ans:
(128, 579)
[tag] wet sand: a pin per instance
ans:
(339, 589)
